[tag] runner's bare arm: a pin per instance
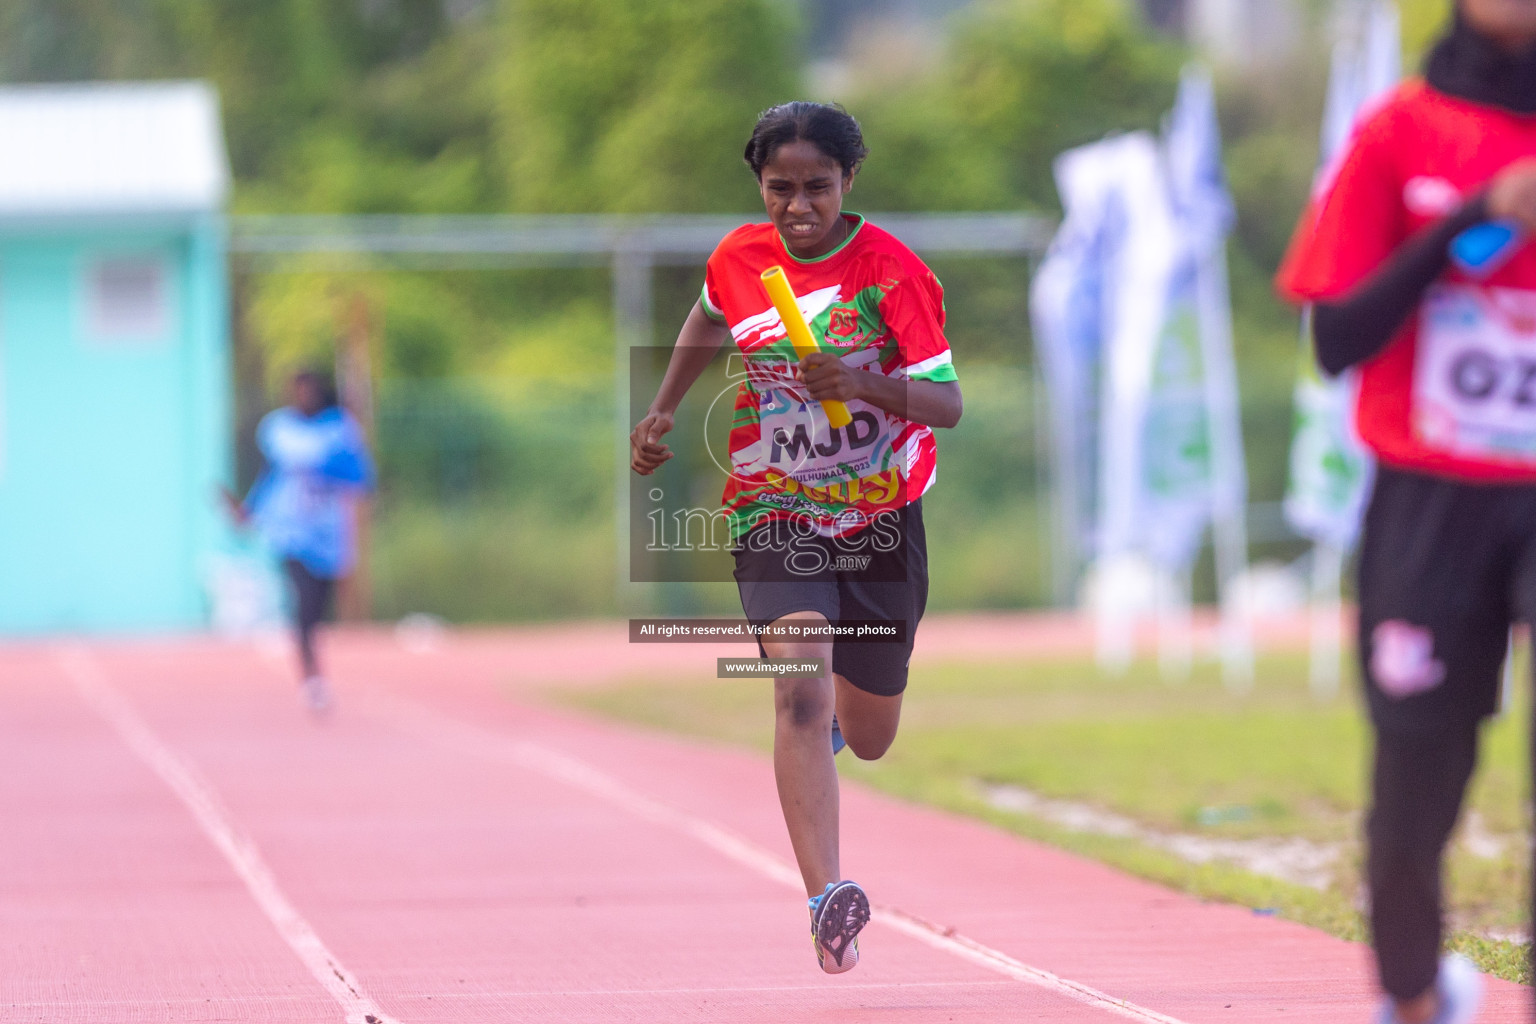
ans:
(929, 402)
(697, 344)
(234, 506)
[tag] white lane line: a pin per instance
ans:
(722, 990)
(561, 767)
(219, 826)
(524, 993)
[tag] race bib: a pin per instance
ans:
(1474, 377)
(800, 443)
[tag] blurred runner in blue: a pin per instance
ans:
(303, 505)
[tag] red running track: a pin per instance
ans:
(183, 843)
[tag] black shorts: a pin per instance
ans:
(880, 572)
(1445, 568)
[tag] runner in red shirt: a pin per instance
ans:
(827, 523)
(1447, 401)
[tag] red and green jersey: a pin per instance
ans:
(880, 308)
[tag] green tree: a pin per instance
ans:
(637, 105)
(79, 40)
(1021, 81)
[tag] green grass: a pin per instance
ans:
(1186, 756)
(491, 562)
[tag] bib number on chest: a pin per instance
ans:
(1474, 377)
(802, 445)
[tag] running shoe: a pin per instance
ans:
(317, 694)
(1460, 988)
(837, 916)
(838, 743)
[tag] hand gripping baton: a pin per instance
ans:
(783, 299)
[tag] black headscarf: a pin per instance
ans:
(1467, 64)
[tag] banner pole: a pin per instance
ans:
(1229, 489)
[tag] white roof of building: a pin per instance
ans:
(120, 147)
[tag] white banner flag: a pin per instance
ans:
(1194, 447)
(1140, 273)
(1068, 305)
(1097, 305)
(1134, 335)
(1204, 213)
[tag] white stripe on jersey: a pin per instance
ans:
(812, 305)
(930, 364)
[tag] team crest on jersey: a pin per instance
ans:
(1403, 659)
(842, 325)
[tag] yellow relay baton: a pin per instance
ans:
(783, 298)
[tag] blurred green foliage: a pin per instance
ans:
(1018, 83)
(475, 106)
(635, 105)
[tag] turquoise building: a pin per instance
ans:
(114, 356)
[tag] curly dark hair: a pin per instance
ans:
(827, 126)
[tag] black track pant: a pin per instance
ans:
(1445, 569)
(312, 599)
(1416, 790)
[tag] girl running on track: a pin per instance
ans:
(317, 467)
(827, 522)
(1447, 401)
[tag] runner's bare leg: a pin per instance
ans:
(802, 758)
(868, 721)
